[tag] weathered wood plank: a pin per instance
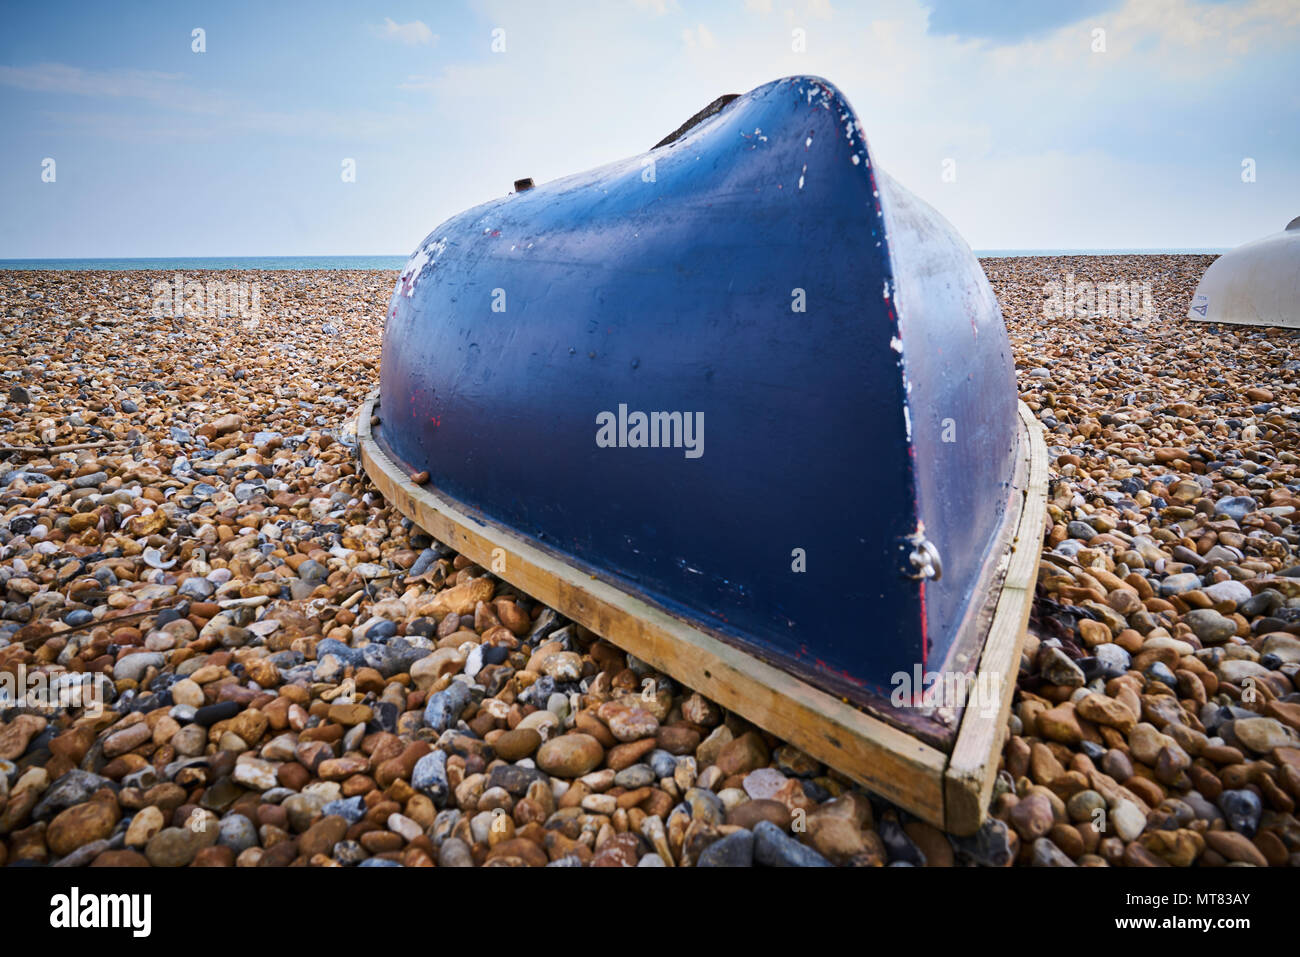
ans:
(973, 764)
(951, 791)
(876, 754)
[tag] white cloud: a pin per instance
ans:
(1183, 26)
(419, 83)
(699, 37)
(794, 11)
(1181, 35)
(657, 7)
(61, 78)
(164, 89)
(821, 9)
(1054, 146)
(189, 113)
(415, 33)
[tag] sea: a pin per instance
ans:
(1007, 253)
(397, 262)
(214, 262)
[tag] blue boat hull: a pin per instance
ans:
(838, 363)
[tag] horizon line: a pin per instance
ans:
(990, 249)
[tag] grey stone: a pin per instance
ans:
(198, 588)
(1242, 810)
(312, 571)
(898, 844)
(1177, 584)
(423, 562)
(345, 653)
(662, 763)
(237, 833)
(444, 708)
(83, 855)
(350, 809)
(515, 778)
(1047, 854)
(430, 776)
(774, 848)
(1236, 507)
(393, 657)
(638, 775)
(1115, 659)
(734, 850)
(75, 787)
(1233, 591)
(454, 853)
(990, 846)
(1209, 626)
(133, 666)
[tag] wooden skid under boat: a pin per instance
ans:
(868, 510)
(948, 787)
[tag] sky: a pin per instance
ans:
(1153, 124)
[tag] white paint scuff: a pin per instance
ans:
(428, 253)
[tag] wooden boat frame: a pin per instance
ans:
(947, 788)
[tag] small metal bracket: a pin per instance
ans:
(924, 559)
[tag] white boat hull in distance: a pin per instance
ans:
(1257, 284)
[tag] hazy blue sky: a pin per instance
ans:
(161, 151)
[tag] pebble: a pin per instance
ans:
(132, 667)
(74, 787)
(445, 706)
(256, 774)
(516, 744)
(351, 809)
(733, 850)
(236, 580)
(237, 833)
(775, 848)
(1233, 591)
(990, 846)
(147, 822)
(1242, 810)
(178, 846)
(322, 836)
(570, 755)
(1179, 584)
(764, 783)
(1047, 854)
(1127, 819)
(429, 776)
(81, 824)
(1161, 444)
(1209, 626)
(899, 846)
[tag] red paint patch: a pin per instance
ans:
(841, 673)
(925, 631)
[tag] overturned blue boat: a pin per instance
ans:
(749, 387)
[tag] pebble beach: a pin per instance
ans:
(219, 646)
